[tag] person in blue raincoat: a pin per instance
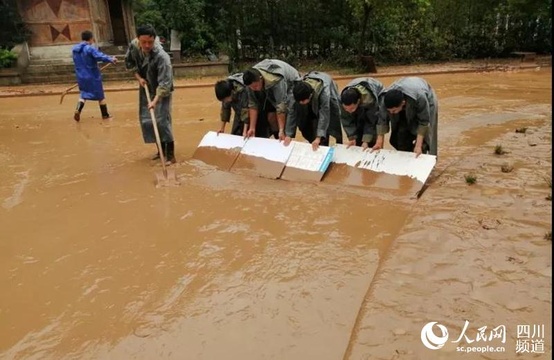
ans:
(89, 78)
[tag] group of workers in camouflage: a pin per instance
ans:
(273, 99)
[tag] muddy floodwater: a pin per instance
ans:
(98, 263)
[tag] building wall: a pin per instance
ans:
(129, 20)
(101, 25)
(56, 25)
(55, 22)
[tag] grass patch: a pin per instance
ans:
(521, 130)
(498, 150)
(548, 197)
(548, 236)
(470, 179)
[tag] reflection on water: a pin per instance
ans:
(351, 176)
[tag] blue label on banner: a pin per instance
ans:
(327, 160)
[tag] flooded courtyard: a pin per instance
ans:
(98, 263)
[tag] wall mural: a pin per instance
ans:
(53, 4)
(55, 33)
(55, 22)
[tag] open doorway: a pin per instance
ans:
(118, 24)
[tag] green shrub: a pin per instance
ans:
(7, 58)
(498, 150)
(470, 179)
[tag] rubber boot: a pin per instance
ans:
(164, 151)
(104, 111)
(157, 156)
(170, 152)
(77, 114)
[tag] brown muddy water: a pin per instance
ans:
(257, 167)
(295, 174)
(223, 159)
(97, 263)
(342, 174)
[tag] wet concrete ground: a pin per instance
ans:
(98, 263)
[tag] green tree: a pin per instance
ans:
(147, 12)
(12, 29)
(403, 31)
(188, 17)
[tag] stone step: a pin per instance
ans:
(69, 78)
(53, 62)
(61, 69)
(114, 50)
(56, 71)
(49, 69)
(65, 61)
(52, 72)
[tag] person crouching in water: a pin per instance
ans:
(360, 111)
(409, 107)
(233, 95)
(315, 111)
